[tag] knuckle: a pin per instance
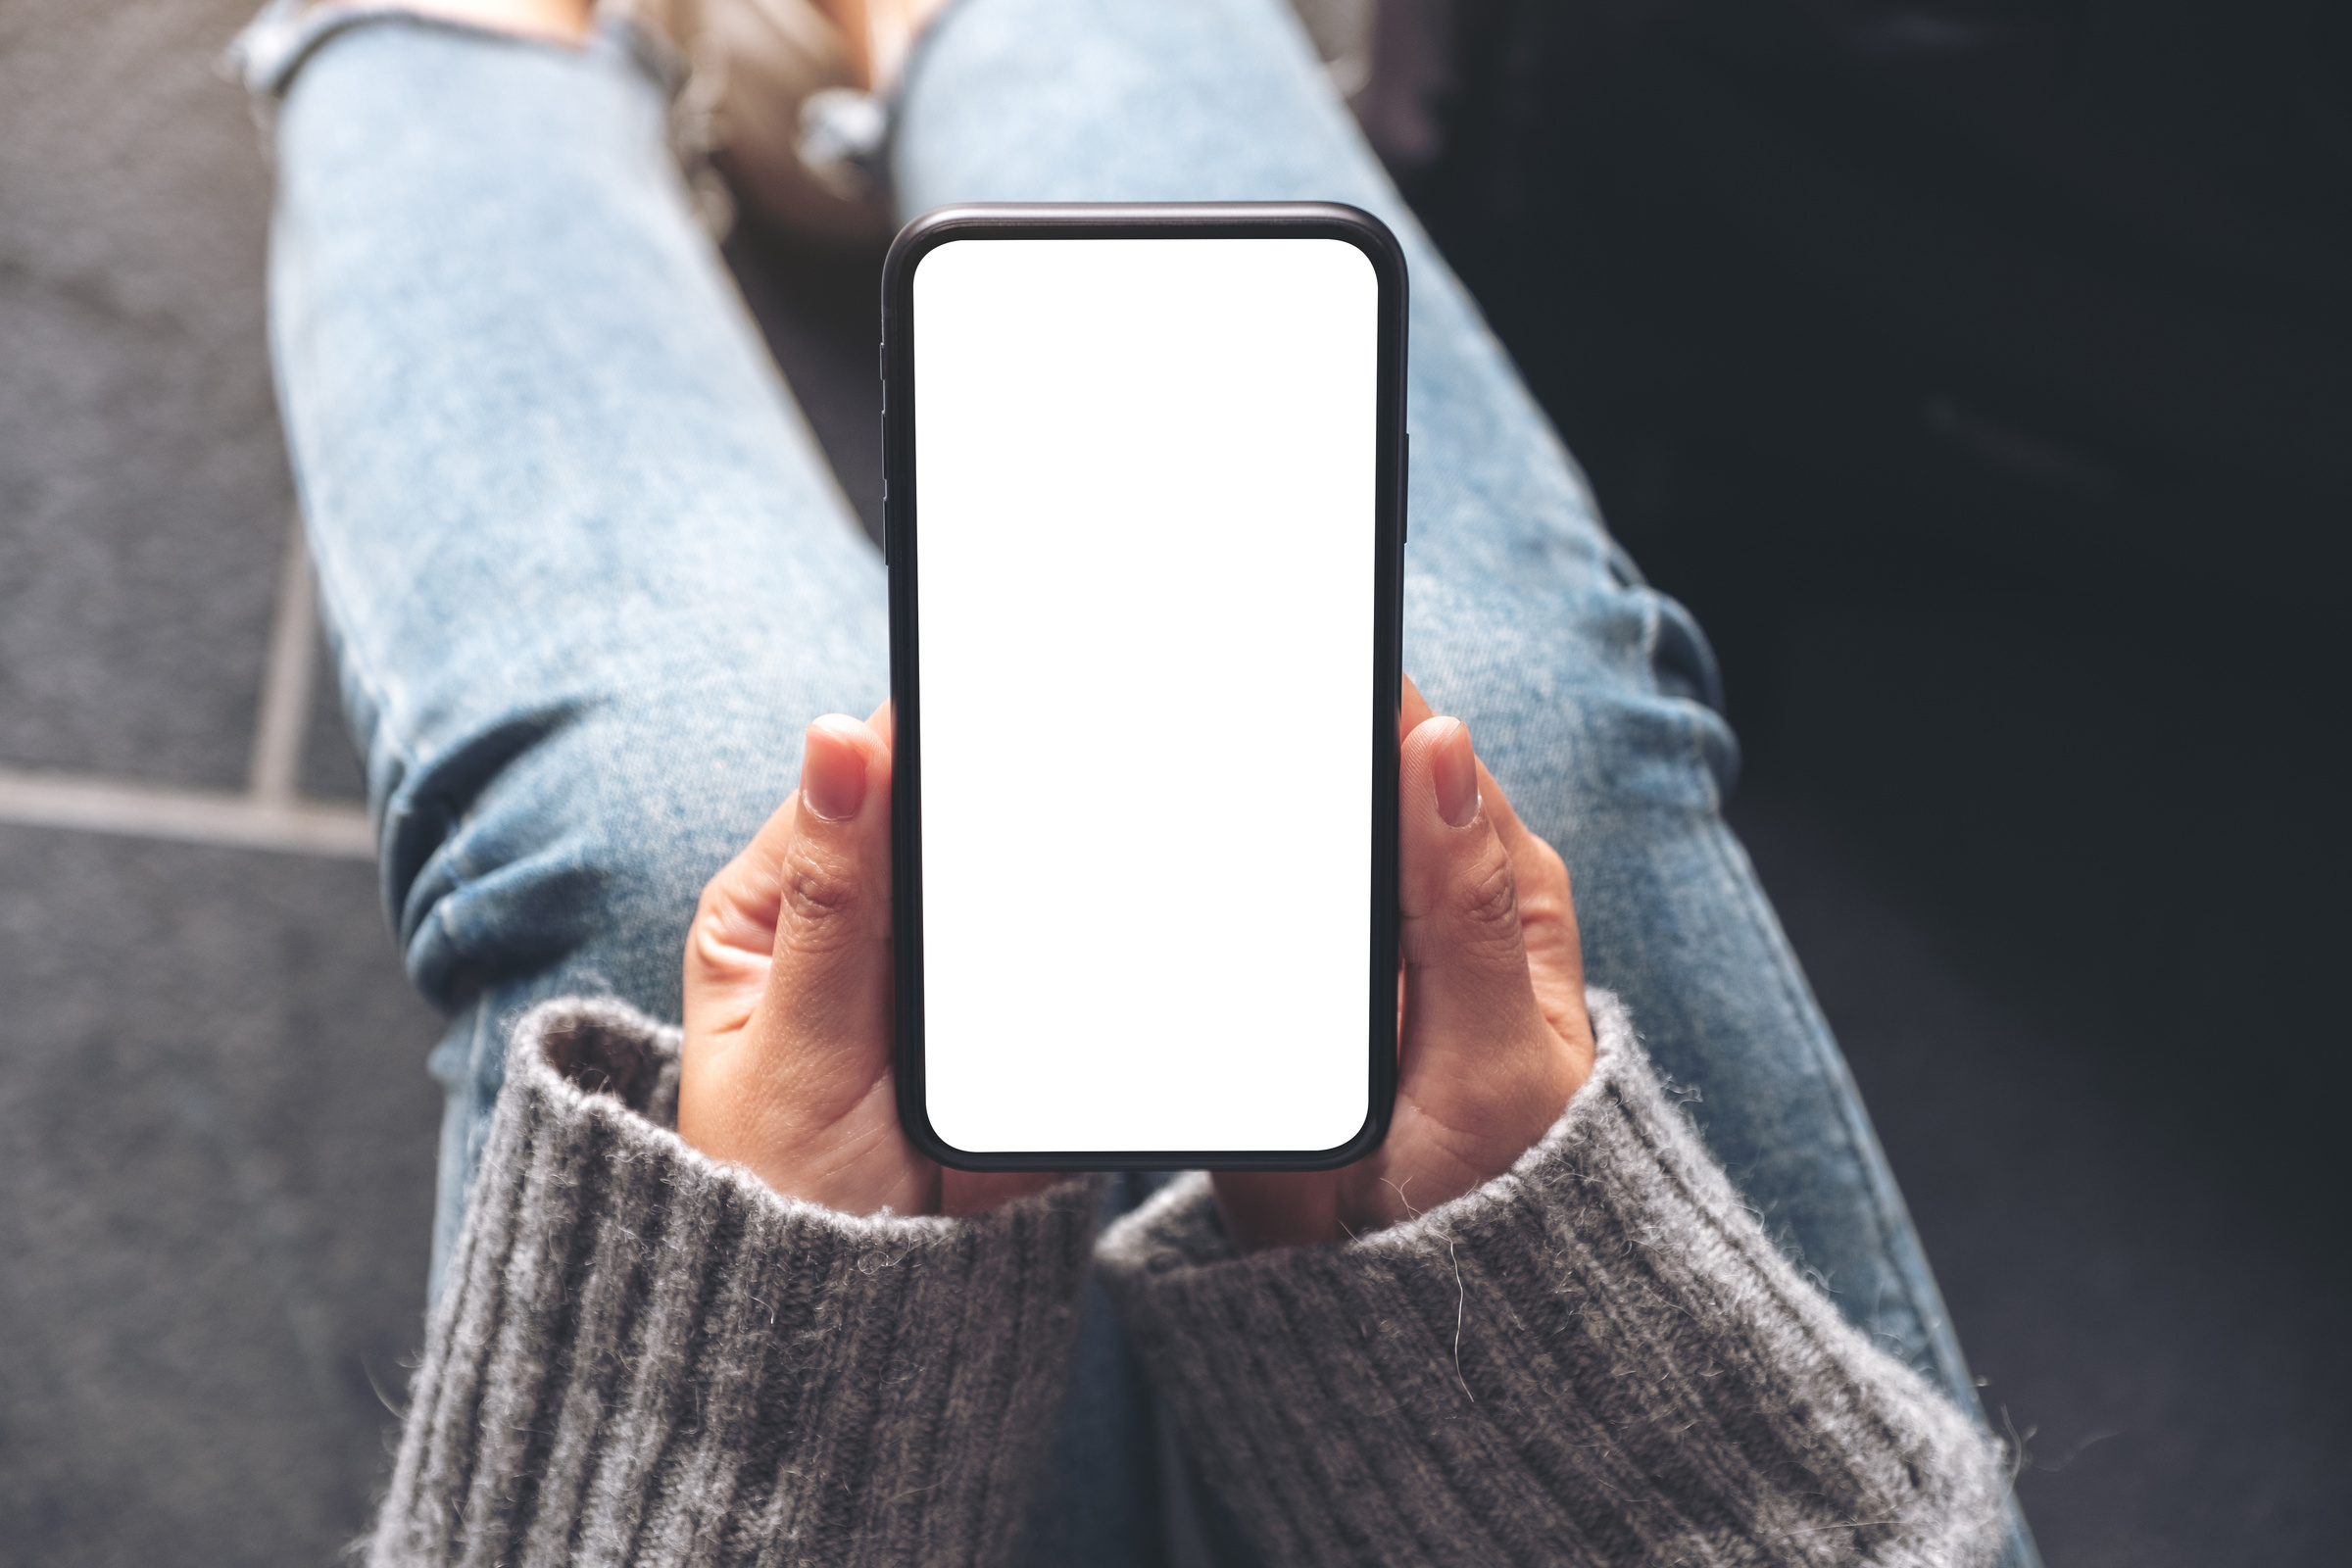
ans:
(824, 905)
(1485, 898)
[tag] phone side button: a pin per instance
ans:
(1404, 494)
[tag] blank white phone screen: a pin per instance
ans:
(1145, 479)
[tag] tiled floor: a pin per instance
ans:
(216, 1137)
(145, 489)
(215, 1132)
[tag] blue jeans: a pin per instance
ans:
(587, 574)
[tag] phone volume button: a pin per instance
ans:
(1404, 493)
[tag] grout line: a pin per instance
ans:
(270, 812)
(273, 777)
(194, 817)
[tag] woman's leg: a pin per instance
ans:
(1591, 697)
(586, 572)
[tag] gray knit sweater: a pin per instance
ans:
(645, 1357)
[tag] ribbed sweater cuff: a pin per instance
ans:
(645, 1355)
(1599, 1357)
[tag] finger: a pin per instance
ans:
(816, 1039)
(802, 1094)
(1476, 1041)
(1546, 911)
(1456, 886)
(883, 722)
(1547, 914)
(828, 991)
(732, 942)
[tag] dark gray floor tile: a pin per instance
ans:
(143, 492)
(2167, 1341)
(216, 1137)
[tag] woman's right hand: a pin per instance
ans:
(1493, 1038)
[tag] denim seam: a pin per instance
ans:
(1747, 891)
(352, 665)
(1883, 1206)
(1889, 1216)
(1653, 620)
(1744, 892)
(1787, 981)
(1886, 1204)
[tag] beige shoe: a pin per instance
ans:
(786, 97)
(776, 97)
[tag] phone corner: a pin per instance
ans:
(1368, 1137)
(1371, 234)
(922, 234)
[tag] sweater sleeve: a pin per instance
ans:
(645, 1356)
(1599, 1357)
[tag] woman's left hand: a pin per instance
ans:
(788, 1065)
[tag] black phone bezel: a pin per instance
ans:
(902, 549)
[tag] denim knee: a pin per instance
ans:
(562, 850)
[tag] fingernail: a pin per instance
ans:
(832, 770)
(1455, 767)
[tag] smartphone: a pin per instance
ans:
(1144, 507)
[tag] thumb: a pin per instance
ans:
(825, 1016)
(801, 1072)
(1472, 1018)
